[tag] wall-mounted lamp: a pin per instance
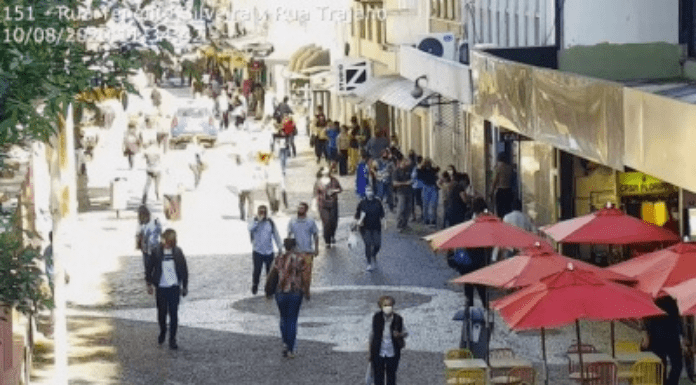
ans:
(417, 91)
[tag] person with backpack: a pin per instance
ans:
(289, 131)
(147, 237)
(282, 110)
(263, 232)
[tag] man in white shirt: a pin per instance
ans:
(519, 218)
(153, 159)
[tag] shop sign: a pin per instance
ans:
(637, 183)
(352, 75)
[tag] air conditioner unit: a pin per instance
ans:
(442, 45)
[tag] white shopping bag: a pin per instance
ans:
(353, 240)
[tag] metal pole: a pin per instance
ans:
(613, 348)
(582, 369)
(543, 354)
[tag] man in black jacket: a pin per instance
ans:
(168, 273)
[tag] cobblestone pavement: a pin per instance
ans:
(227, 335)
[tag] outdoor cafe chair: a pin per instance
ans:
(501, 353)
(574, 348)
(602, 373)
(626, 347)
(645, 372)
(457, 354)
(468, 377)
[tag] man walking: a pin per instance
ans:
(167, 274)
(263, 232)
(304, 230)
(369, 215)
(147, 237)
(403, 184)
(153, 159)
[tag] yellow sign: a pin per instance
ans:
(637, 183)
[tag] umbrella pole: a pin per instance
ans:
(613, 349)
(582, 368)
(543, 354)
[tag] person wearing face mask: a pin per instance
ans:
(326, 191)
(369, 215)
(387, 339)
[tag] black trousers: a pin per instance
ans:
(676, 363)
(329, 220)
(320, 149)
(385, 366)
(343, 162)
(469, 292)
(503, 201)
(168, 303)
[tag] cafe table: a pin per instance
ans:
(500, 366)
(588, 358)
(468, 363)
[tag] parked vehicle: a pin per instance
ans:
(193, 122)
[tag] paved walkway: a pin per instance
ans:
(228, 335)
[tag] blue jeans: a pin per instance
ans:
(289, 307)
(259, 261)
(284, 155)
(384, 192)
(430, 195)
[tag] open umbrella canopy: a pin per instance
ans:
(659, 269)
(486, 230)
(608, 226)
(685, 294)
(530, 267)
(573, 294)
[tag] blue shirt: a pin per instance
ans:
(333, 137)
(362, 178)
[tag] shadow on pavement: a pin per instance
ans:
(126, 352)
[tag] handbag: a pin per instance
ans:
(272, 282)
(369, 375)
(312, 140)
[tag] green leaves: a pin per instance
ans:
(22, 282)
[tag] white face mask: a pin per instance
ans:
(388, 310)
(369, 194)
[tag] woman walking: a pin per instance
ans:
(291, 286)
(326, 191)
(369, 215)
(386, 341)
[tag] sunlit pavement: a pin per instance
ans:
(227, 335)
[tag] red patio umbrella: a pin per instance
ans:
(486, 230)
(530, 267)
(608, 226)
(685, 294)
(568, 296)
(659, 269)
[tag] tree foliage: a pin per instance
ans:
(22, 282)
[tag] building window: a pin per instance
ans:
(434, 8)
(687, 25)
